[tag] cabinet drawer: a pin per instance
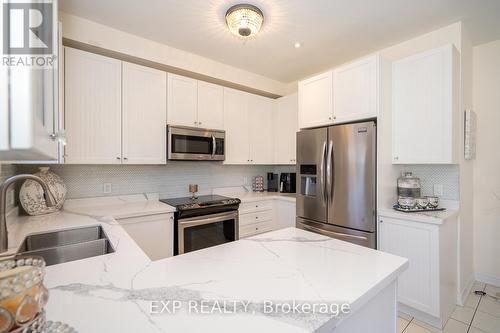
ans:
(256, 228)
(255, 206)
(257, 217)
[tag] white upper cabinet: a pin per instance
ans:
(425, 114)
(316, 101)
(144, 99)
(260, 129)
(237, 128)
(195, 103)
(210, 105)
(249, 128)
(182, 101)
(92, 108)
(355, 90)
(30, 109)
(285, 129)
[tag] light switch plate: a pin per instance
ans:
(107, 188)
(438, 190)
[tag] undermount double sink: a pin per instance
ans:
(67, 245)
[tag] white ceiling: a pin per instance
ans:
(331, 31)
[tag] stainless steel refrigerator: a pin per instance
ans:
(336, 182)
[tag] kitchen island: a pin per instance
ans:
(288, 280)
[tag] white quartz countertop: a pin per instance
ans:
(258, 196)
(433, 217)
(114, 292)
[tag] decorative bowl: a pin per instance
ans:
(433, 201)
(31, 193)
(422, 202)
(406, 202)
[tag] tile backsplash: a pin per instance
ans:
(169, 180)
(172, 180)
(7, 170)
(447, 175)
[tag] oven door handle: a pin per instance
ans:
(201, 220)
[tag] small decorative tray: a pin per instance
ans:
(417, 210)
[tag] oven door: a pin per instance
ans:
(186, 143)
(196, 233)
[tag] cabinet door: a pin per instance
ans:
(316, 101)
(144, 98)
(284, 214)
(355, 90)
(260, 120)
(182, 100)
(418, 286)
(29, 106)
(210, 105)
(285, 129)
(154, 234)
(92, 108)
(424, 115)
(236, 123)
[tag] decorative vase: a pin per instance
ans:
(31, 193)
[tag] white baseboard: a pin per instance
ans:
(489, 279)
(462, 297)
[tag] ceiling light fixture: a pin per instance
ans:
(297, 45)
(244, 20)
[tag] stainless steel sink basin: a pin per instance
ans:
(67, 245)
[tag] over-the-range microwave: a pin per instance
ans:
(195, 144)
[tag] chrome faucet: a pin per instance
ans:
(4, 244)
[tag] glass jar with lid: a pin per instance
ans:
(409, 186)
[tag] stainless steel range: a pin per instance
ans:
(203, 222)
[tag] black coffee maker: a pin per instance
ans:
(287, 182)
(272, 182)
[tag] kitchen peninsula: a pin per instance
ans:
(124, 291)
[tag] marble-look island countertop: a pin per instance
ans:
(116, 292)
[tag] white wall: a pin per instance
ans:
(88, 32)
(486, 87)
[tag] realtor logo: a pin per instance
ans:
(27, 28)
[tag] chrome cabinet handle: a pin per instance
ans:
(59, 137)
(118, 158)
(322, 171)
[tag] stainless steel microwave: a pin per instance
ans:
(195, 144)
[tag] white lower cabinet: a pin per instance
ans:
(284, 214)
(427, 290)
(257, 217)
(153, 233)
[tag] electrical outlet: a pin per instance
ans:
(107, 188)
(438, 190)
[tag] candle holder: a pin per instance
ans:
(22, 295)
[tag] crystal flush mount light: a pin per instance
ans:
(244, 20)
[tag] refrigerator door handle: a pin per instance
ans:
(329, 171)
(331, 233)
(322, 172)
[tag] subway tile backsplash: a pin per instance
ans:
(169, 180)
